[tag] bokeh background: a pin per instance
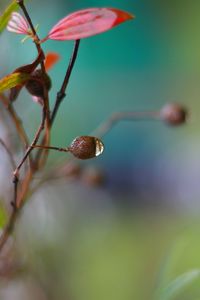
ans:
(140, 228)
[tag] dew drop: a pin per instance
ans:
(99, 147)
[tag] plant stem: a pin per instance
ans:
(62, 93)
(51, 148)
(16, 120)
(116, 117)
(36, 137)
(19, 200)
(9, 153)
(8, 229)
(60, 96)
(39, 48)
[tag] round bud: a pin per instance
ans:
(71, 169)
(93, 177)
(85, 147)
(174, 114)
(36, 84)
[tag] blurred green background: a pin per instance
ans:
(140, 230)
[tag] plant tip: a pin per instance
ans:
(174, 114)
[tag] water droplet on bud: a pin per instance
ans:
(99, 147)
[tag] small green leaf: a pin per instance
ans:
(179, 284)
(12, 80)
(4, 18)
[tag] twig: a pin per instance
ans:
(62, 93)
(18, 125)
(37, 135)
(19, 200)
(39, 49)
(16, 120)
(9, 153)
(51, 148)
(116, 117)
(13, 166)
(60, 96)
(8, 229)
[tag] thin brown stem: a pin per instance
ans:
(19, 200)
(30, 148)
(60, 96)
(16, 120)
(12, 161)
(62, 93)
(13, 166)
(18, 125)
(39, 49)
(8, 229)
(51, 148)
(116, 117)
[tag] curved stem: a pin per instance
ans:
(51, 148)
(39, 49)
(16, 120)
(8, 229)
(116, 117)
(60, 96)
(9, 153)
(30, 148)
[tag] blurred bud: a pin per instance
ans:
(93, 177)
(71, 169)
(36, 84)
(174, 114)
(85, 147)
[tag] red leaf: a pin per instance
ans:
(50, 60)
(26, 69)
(87, 22)
(31, 67)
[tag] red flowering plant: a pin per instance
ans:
(34, 77)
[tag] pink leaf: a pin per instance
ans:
(87, 22)
(18, 24)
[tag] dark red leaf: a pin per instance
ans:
(26, 69)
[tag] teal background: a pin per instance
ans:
(140, 65)
(111, 242)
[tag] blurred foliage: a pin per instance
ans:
(115, 255)
(4, 18)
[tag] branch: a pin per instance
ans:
(39, 49)
(8, 229)
(35, 140)
(116, 117)
(9, 153)
(16, 120)
(62, 93)
(60, 96)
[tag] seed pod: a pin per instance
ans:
(36, 84)
(174, 114)
(85, 147)
(71, 169)
(92, 176)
